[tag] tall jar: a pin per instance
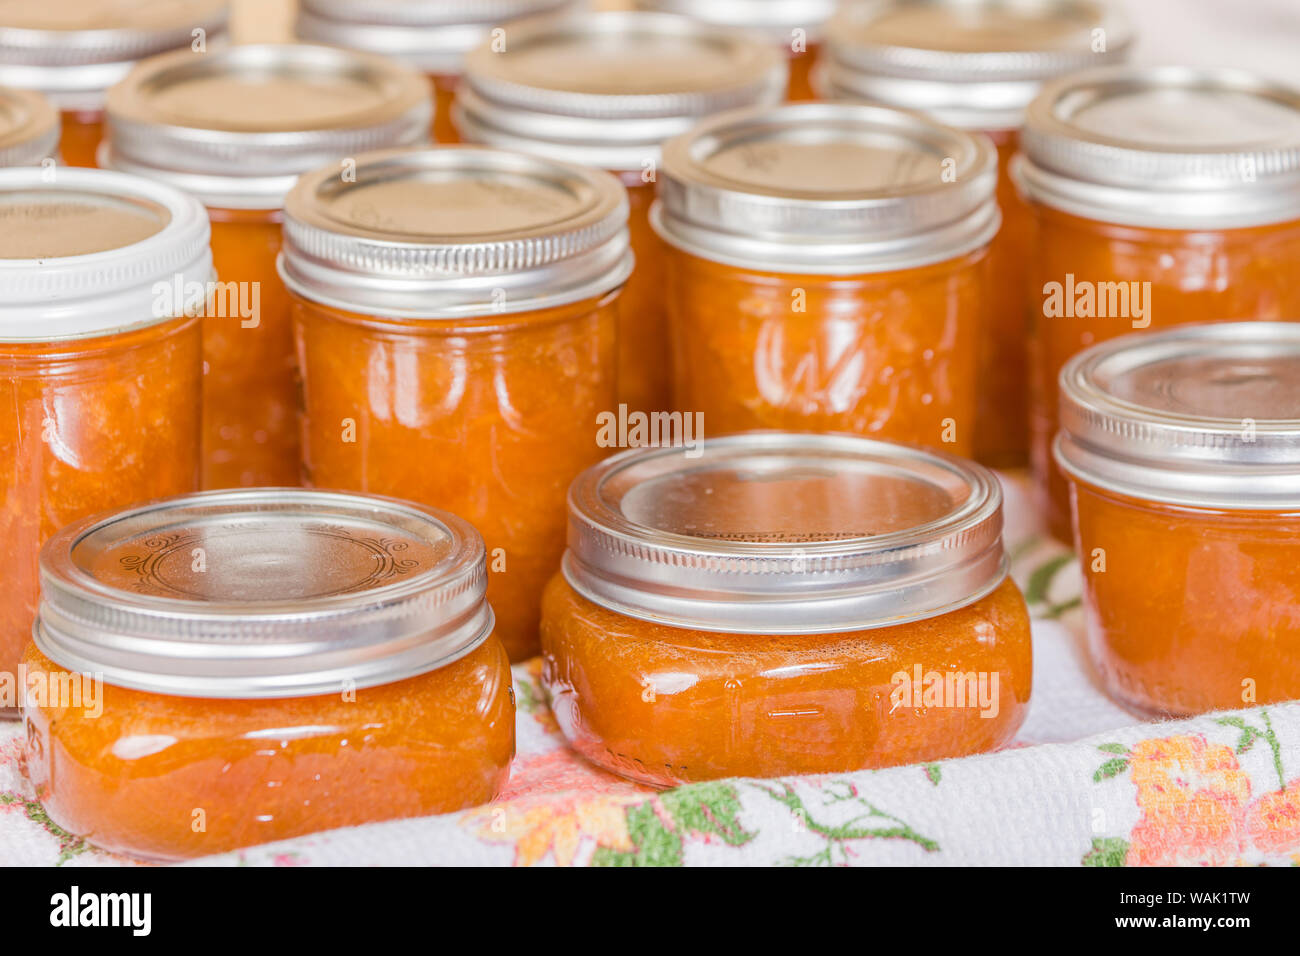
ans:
(99, 370)
(976, 65)
(29, 128)
(606, 89)
(455, 318)
(1163, 196)
(827, 271)
(73, 52)
(235, 127)
(431, 36)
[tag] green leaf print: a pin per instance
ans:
(1250, 734)
(1111, 768)
(710, 809)
(70, 844)
(655, 844)
(1038, 587)
(1112, 851)
(933, 773)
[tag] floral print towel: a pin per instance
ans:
(1084, 784)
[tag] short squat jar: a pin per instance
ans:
(1162, 196)
(238, 667)
(784, 603)
(29, 129)
(1182, 449)
(235, 127)
(99, 375)
(455, 317)
(827, 271)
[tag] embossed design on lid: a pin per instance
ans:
(29, 128)
(263, 593)
(785, 533)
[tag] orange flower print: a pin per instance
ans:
(1273, 822)
(559, 827)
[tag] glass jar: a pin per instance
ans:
(1182, 449)
(796, 28)
(456, 306)
(827, 270)
(432, 36)
(606, 89)
(73, 52)
(976, 65)
(29, 128)
(282, 109)
(99, 375)
(1163, 196)
(239, 667)
(778, 603)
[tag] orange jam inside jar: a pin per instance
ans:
(606, 89)
(431, 36)
(1182, 449)
(826, 273)
(73, 51)
(454, 312)
(99, 375)
(238, 667)
(1162, 197)
(282, 109)
(976, 65)
(776, 603)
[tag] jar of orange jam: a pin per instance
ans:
(606, 89)
(1182, 449)
(827, 270)
(1163, 196)
(455, 317)
(432, 36)
(99, 373)
(73, 51)
(795, 27)
(29, 128)
(235, 127)
(776, 603)
(976, 65)
(238, 667)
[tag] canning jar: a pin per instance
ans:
(243, 666)
(73, 52)
(455, 321)
(1163, 196)
(1182, 449)
(29, 128)
(606, 89)
(432, 36)
(795, 27)
(99, 372)
(235, 127)
(976, 65)
(827, 270)
(777, 603)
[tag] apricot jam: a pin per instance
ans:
(454, 313)
(74, 50)
(784, 603)
(99, 378)
(1163, 197)
(1183, 453)
(282, 109)
(606, 89)
(976, 64)
(827, 270)
(256, 665)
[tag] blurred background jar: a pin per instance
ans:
(29, 128)
(975, 65)
(234, 128)
(606, 89)
(73, 51)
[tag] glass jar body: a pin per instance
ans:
(644, 363)
(444, 95)
(81, 131)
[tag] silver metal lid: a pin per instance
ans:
(974, 64)
(74, 50)
(785, 533)
(270, 592)
(1165, 147)
(607, 89)
(831, 188)
(29, 128)
(431, 35)
(1204, 415)
(81, 251)
(455, 231)
(776, 19)
(237, 126)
